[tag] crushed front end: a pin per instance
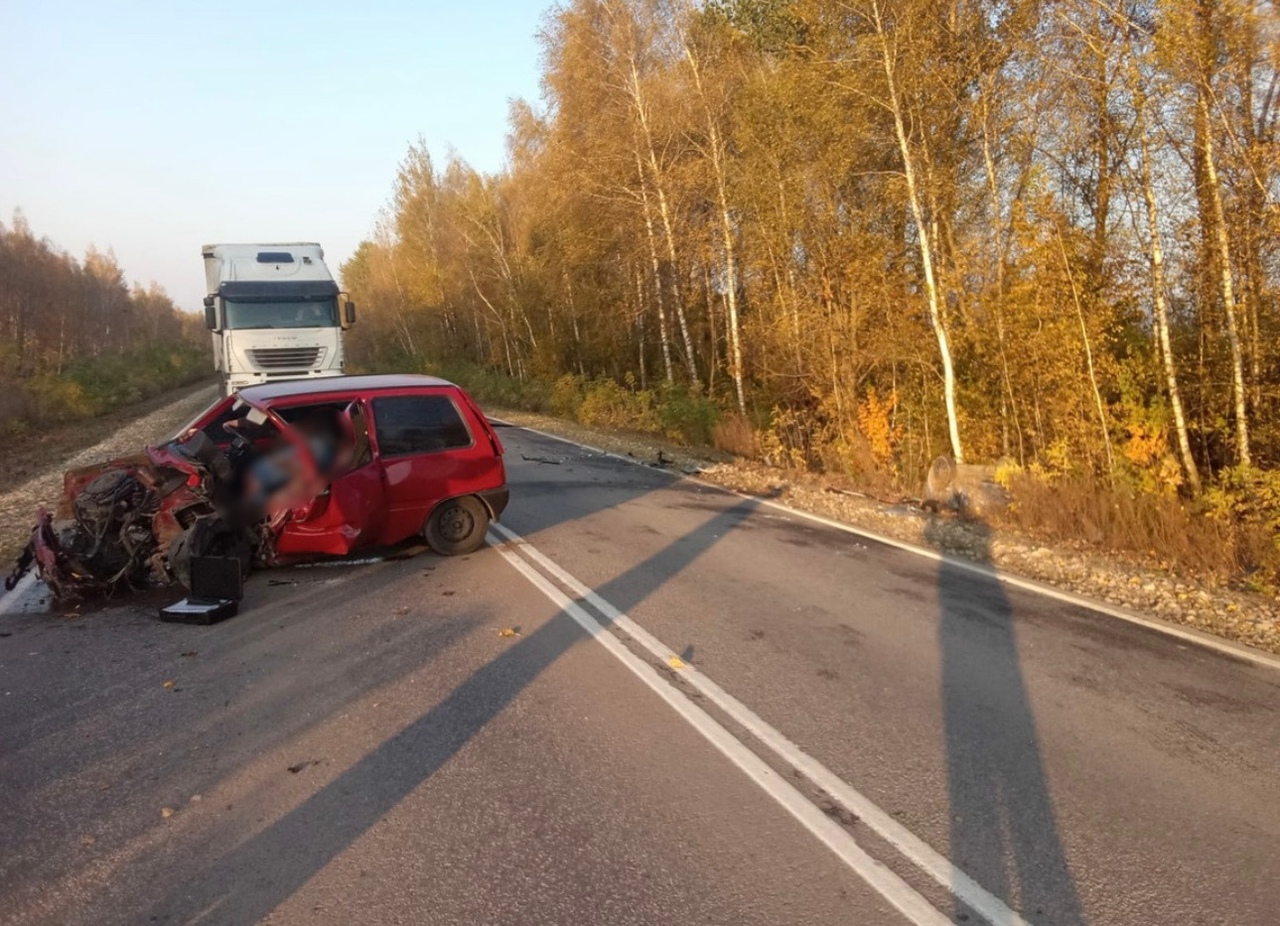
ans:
(137, 522)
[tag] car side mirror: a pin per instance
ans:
(210, 313)
(349, 311)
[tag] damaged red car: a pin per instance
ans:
(281, 472)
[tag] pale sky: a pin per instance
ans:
(153, 128)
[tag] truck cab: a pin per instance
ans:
(275, 313)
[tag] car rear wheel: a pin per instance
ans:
(457, 526)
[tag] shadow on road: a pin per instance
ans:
(1003, 830)
(266, 869)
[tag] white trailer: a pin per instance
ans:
(275, 313)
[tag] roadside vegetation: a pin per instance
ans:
(76, 342)
(849, 238)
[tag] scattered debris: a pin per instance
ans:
(189, 653)
(409, 552)
(539, 460)
(836, 490)
(400, 612)
(170, 683)
(167, 812)
(294, 769)
(88, 840)
(676, 662)
(509, 632)
(838, 812)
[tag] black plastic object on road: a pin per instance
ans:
(217, 585)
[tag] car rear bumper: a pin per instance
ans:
(495, 500)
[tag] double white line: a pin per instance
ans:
(540, 571)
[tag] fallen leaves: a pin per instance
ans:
(167, 812)
(676, 662)
(509, 632)
(170, 683)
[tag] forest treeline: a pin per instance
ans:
(76, 340)
(856, 235)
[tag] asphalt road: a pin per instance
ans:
(649, 702)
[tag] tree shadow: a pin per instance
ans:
(1003, 829)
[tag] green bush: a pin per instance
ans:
(607, 404)
(1248, 500)
(688, 418)
(567, 396)
(94, 386)
(493, 387)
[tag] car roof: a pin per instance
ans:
(269, 392)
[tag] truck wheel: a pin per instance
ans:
(457, 526)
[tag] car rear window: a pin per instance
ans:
(418, 424)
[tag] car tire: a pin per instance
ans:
(457, 526)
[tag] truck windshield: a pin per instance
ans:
(312, 313)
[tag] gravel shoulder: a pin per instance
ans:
(1121, 582)
(31, 467)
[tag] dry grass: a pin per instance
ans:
(735, 434)
(1161, 527)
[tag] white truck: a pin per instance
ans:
(275, 313)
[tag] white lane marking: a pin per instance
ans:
(884, 881)
(1200, 638)
(916, 850)
(23, 598)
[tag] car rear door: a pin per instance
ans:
(430, 451)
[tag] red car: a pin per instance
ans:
(278, 472)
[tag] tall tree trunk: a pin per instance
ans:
(999, 250)
(664, 213)
(640, 313)
(1088, 353)
(1229, 306)
(1160, 306)
(726, 231)
(657, 273)
(577, 334)
(922, 235)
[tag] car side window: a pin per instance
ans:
(418, 424)
(216, 431)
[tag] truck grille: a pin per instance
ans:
(286, 358)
